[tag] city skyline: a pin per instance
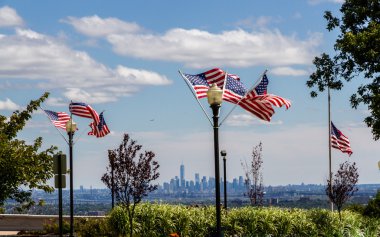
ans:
(123, 58)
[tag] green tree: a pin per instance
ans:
(22, 167)
(132, 177)
(343, 186)
(373, 207)
(357, 54)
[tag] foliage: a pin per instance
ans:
(357, 53)
(373, 207)
(343, 186)
(130, 174)
(254, 177)
(163, 219)
(52, 227)
(21, 164)
(355, 207)
(89, 227)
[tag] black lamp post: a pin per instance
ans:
(224, 154)
(214, 96)
(70, 128)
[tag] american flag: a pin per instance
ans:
(259, 107)
(340, 141)
(83, 110)
(59, 119)
(259, 103)
(234, 90)
(99, 129)
(201, 82)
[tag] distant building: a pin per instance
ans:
(182, 176)
(241, 182)
(235, 184)
(204, 183)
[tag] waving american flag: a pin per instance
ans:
(83, 110)
(201, 82)
(58, 119)
(340, 141)
(99, 129)
(256, 101)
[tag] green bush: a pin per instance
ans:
(373, 207)
(118, 221)
(89, 227)
(159, 220)
(358, 208)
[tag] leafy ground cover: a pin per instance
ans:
(163, 219)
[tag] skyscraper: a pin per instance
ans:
(182, 175)
(197, 182)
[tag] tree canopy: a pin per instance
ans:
(130, 174)
(22, 167)
(357, 55)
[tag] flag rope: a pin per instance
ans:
(192, 91)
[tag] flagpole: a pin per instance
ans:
(192, 90)
(53, 124)
(80, 135)
(250, 89)
(329, 115)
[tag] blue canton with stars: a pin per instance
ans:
(52, 115)
(235, 86)
(261, 88)
(335, 131)
(199, 79)
(102, 122)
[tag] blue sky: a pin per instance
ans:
(123, 57)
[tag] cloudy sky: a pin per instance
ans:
(123, 57)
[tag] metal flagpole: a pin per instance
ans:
(53, 124)
(224, 86)
(329, 115)
(250, 89)
(192, 90)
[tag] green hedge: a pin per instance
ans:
(153, 220)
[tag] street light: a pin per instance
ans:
(224, 154)
(214, 96)
(71, 126)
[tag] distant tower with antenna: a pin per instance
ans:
(182, 175)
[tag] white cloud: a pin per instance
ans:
(78, 94)
(54, 101)
(257, 22)
(288, 71)
(9, 17)
(9, 105)
(100, 27)
(315, 2)
(243, 120)
(198, 49)
(141, 77)
(30, 55)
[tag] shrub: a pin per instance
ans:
(89, 227)
(373, 207)
(163, 219)
(358, 208)
(118, 221)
